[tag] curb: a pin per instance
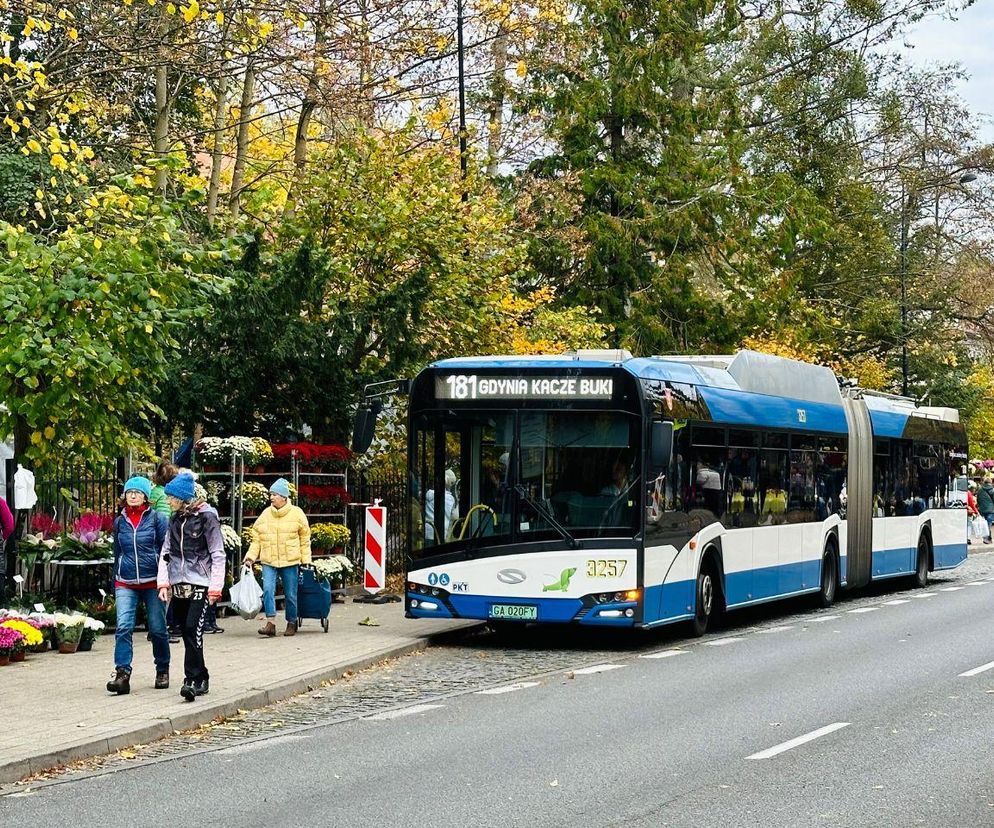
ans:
(253, 698)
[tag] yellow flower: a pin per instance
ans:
(32, 636)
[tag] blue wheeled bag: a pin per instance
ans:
(313, 597)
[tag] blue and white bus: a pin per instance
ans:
(600, 489)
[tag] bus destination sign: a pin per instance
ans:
(474, 387)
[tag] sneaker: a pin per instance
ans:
(187, 691)
(291, 628)
(201, 688)
(268, 629)
(162, 680)
(174, 639)
(120, 683)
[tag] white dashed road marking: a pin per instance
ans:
(824, 618)
(721, 642)
(983, 668)
(864, 609)
(923, 595)
(896, 601)
(404, 711)
(664, 654)
(977, 583)
(800, 740)
(508, 688)
(951, 589)
(775, 630)
(597, 668)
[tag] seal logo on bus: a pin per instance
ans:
(511, 576)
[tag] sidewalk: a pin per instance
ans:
(55, 709)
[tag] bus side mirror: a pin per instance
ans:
(365, 426)
(660, 448)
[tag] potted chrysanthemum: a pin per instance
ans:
(70, 629)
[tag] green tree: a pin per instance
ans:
(94, 315)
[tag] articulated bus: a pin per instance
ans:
(596, 488)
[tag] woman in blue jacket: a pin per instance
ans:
(139, 531)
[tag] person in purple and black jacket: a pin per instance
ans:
(191, 574)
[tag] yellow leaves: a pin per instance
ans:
(73, 34)
(98, 243)
(190, 12)
(265, 29)
(219, 18)
(59, 162)
(49, 433)
(36, 438)
(522, 69)
(34, 146)
(187, 257)
(171, 8)
(148, 328)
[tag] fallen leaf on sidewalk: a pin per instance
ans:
(554, 783)
(369, 621)
(127, 754)
(571, 675)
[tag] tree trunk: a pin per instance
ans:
(218, 152)
(498, 90)
(241, 150)
(306, 112)
(365, 69)
(161, 126)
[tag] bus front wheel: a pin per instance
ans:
(920, 578)
(707, 597)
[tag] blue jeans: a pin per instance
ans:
(126, 603)
(288, 574)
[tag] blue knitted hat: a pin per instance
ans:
(181, 487)
(280, 487)
(139, 484)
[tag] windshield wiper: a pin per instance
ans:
(543, 512)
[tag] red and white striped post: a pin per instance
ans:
(376, 547)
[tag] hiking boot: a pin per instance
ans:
(162, 680)
(121, 683)
(268, 629)
(201, 688)
(187, 691)
(291, 628)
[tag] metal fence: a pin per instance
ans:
(391, 489)
(65, 491)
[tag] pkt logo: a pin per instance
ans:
(460, 586)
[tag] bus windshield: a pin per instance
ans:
(485, 478)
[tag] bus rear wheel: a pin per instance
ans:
(707, 597)
(920, 578)
(829, 577)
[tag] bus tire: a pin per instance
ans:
(920, 578)
(706, 598)
(829, 575)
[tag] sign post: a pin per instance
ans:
(375, 545)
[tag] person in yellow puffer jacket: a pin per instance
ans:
(281, 542)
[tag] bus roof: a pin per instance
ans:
(748, 387)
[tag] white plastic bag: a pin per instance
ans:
(246, 595)
(978, 527)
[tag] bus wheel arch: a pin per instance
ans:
(709, 594)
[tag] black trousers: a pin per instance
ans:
(191, 614)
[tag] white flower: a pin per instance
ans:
(93, 624)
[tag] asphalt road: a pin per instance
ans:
(859, 716)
